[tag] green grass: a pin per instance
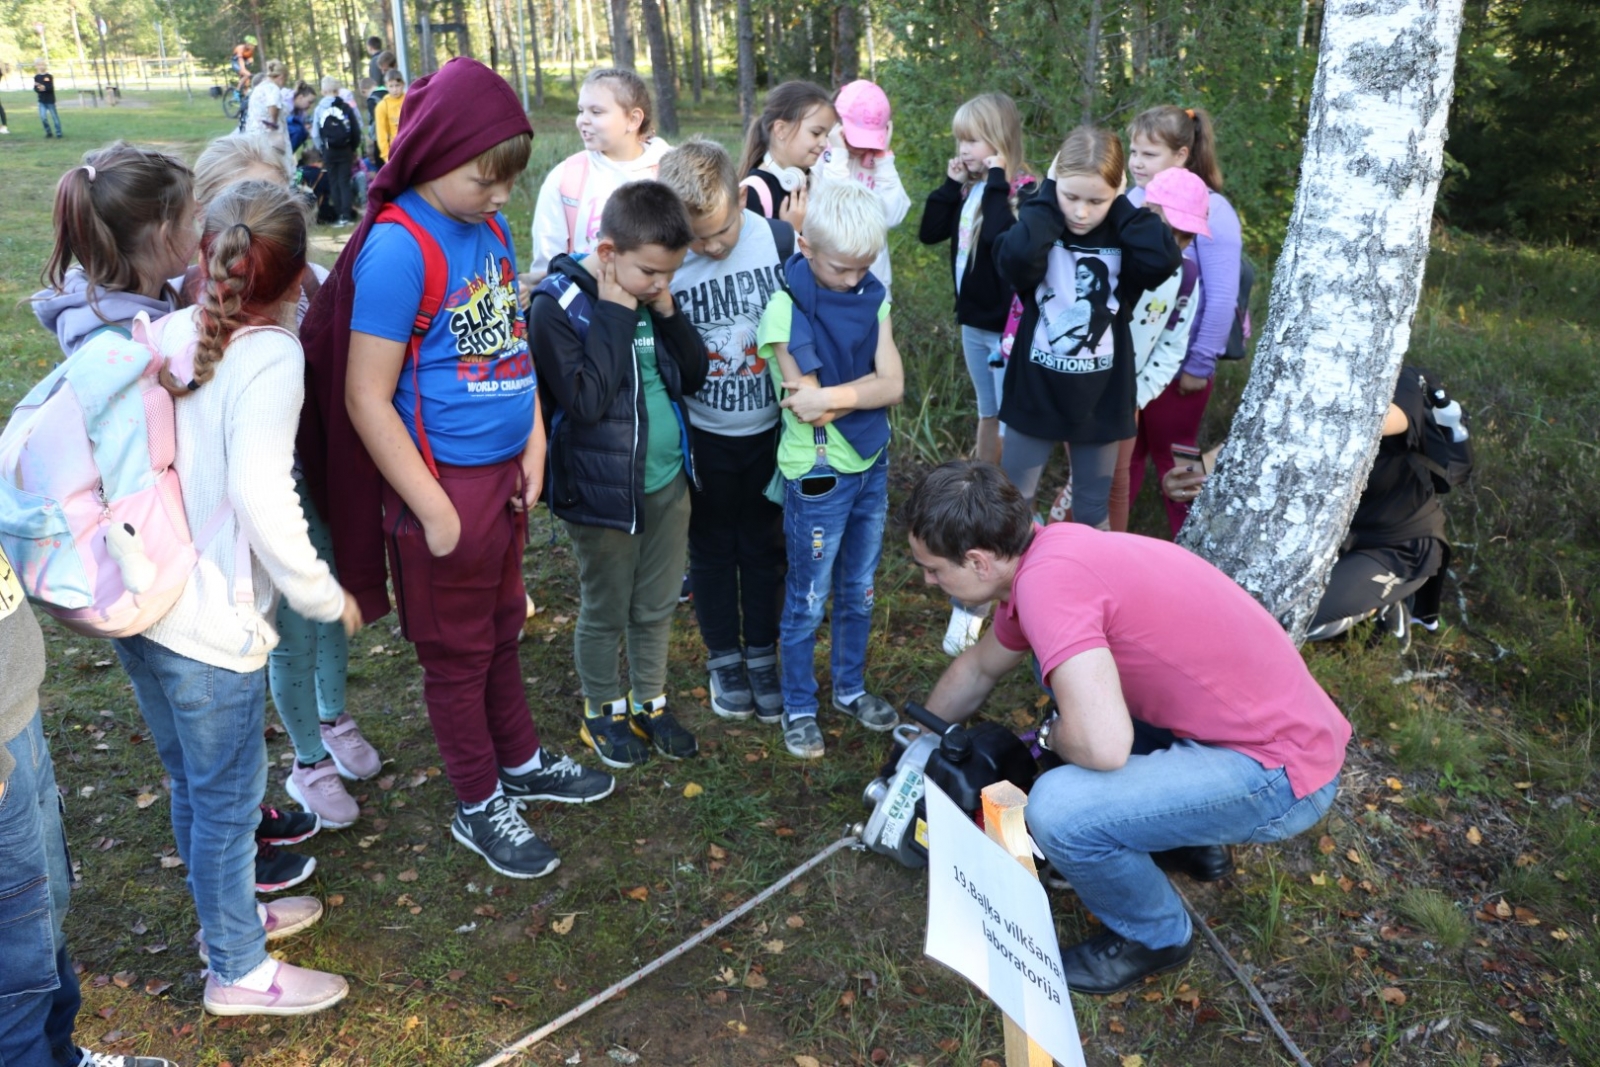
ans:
(1486, 729)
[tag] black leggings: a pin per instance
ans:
(737, 558)
(1024, 459)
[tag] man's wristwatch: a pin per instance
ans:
(1044, 733)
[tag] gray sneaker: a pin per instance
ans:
(802, 737)
(564, 780)
(874, 713)
(730, 688)
(499, 834)
(761, 667)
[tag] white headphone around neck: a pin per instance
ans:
(791, 178)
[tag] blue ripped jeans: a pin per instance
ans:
(833, 533)
(38, 989)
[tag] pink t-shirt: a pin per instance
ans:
(1195, 653)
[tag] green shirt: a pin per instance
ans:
(798, 451)
(663, 452)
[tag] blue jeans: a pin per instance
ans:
(47, 112)
(206, 723)
(1098, 828)
(307, 669)
(38, 991)
(980, 348)
(834, 538)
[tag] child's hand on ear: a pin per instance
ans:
(664, 305)
(793, 208)
(996, 160)
(956, 171)
(610, 289)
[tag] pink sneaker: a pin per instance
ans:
(294, 991)
(280, 918)
(353, 754)
(319, 789)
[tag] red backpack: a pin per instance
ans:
(435, 271)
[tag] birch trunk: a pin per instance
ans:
(1343, 297)
(655, 32)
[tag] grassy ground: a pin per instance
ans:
(1444, 915)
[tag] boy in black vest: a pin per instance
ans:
(615, 360)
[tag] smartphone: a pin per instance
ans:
(1190, 455)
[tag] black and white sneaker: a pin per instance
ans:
(1393, 621)
(286, 827)
(565, 781)
(498, 834)
(112, 1059)
(730, 686)
(278, 869)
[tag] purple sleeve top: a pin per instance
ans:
(1218, 257)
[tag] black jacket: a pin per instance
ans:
(1089, 407)
(592, 399)
(984, 297)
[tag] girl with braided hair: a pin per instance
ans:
(199, 673)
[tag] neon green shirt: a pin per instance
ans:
(798, 451)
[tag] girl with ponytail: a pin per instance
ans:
(124, 224)
(199, 673)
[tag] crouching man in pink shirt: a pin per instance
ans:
(1188, 721)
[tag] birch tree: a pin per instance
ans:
(1343, 297)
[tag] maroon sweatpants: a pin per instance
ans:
(463, 612)
(1170, 419)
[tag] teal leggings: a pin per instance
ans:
(307, 669)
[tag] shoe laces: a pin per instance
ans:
(506, 820)
(564, 768)
(266, 851)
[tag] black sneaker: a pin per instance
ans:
(653, 722)
(498, 834)
(612, 736)
(286, 827)
(565, 781)
(761, 667)
(277, 869)
(730, 688)
(686, 590)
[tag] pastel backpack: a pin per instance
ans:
(91, 513)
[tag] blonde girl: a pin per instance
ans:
(615, 120)
(1078, 257)
(781, 147)
(199, 674)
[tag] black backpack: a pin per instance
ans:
(1241, 331)
(336, 128)
(1443, 459)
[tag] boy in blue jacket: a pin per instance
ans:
(615, 360)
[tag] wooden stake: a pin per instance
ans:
(1003, 821)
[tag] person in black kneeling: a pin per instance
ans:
(1394, 555)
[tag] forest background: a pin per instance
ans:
(1446, 914)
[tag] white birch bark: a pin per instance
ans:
(1343, 297)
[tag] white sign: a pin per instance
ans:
(989, 920)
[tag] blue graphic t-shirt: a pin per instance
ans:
(476, 372)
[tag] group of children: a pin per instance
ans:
(698, 361)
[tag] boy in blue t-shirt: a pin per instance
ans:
(829, 343)
(616, 359)
(451, 419)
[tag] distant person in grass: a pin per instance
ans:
(44, 88)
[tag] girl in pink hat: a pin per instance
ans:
(859, 151)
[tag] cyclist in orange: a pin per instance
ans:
(243, 55)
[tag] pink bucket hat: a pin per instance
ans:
(1183, 197)
(864, 113)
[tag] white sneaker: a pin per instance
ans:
(963, 631)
